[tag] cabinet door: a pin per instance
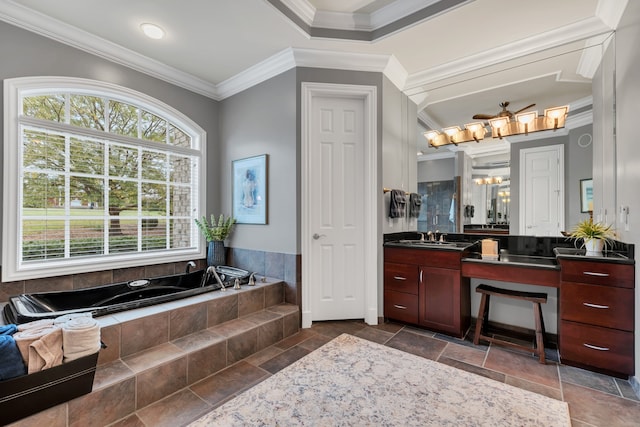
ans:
(439, 295)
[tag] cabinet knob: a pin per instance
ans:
(401, 307)
(399, 278)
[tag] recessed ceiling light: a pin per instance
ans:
(152, 31)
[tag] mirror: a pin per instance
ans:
(548, 79)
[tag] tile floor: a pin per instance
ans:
(594, 399)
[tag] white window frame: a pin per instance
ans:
(14, 90)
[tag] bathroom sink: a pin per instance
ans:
(431, 243)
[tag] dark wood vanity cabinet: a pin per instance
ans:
(597, 315)
(425, 287)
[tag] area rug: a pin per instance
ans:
(354, 382)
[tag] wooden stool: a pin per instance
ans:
(483, 316)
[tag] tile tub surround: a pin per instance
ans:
(286, 267)
(156, 351)
(594, 400)
(92, 279)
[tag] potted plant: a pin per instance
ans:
(215, 232)
(595, 235)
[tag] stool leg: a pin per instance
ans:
(539, 331)
(483, 314)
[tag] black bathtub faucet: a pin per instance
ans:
(190, 265)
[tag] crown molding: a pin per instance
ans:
(46, 26)
(580, 30)
(302, 8)
(355, 21)
(610, 11)
(258, 73)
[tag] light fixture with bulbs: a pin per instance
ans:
(152, 31)
(501, 126)
(488, 180)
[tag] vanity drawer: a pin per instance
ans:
(597, 305)
(602, 348)
(401, 277)
(401, 306)
(598, 273)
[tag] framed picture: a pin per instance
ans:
(250, 190)
(586, 195)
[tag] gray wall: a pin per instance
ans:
(436, 170)
(27, 54)
(627, 148)
(262, 120)
(577, 165)
(399, 148)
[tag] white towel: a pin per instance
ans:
(35, 324)
(64, 319)
(80, 337)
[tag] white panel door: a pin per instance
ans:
(336, 173)
(542, 191)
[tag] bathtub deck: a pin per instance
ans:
(157, 351)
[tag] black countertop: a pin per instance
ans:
(532, 251)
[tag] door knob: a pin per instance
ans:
(316, 236)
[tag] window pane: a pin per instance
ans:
(87, 111)
(123, 195)
(180, 236)
(123, 162)
(46, 107)
(123, 119)
(43, 150)
(180, 201)
(178, 138)
(180, 169)
(86, 194)
(154, 199)
(154, 165)
(153, 128)
(154, 235)
(87, 237)
(42, 194)
(42, 239)
(87, 156)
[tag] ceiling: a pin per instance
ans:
(454, 58)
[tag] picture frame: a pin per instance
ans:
(586, 195)
(249, 192)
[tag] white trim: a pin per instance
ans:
(579, 30)
(54, 29)
(356, 21)
(13, 90)
(262, 71)
(370, 273)
(302, 8)
(611, 11)
(560, 150)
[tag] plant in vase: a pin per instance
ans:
(595, 235)
(216, 232)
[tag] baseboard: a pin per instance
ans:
(635, 385)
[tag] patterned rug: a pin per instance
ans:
(355, 382)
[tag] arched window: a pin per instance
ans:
(97, 176)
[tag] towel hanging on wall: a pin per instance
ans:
(415, 201)
(397, 204)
